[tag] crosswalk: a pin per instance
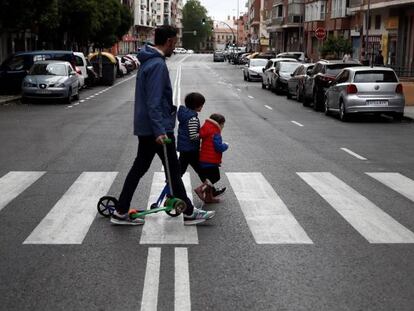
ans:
(267, 217)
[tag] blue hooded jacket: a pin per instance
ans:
(154, 110)
(184, 141)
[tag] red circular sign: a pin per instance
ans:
(320, 33)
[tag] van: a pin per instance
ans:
(16, 66)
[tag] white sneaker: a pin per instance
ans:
(125, 219)
(198, 217)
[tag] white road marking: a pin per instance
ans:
(249, 96)
(356, 155)
(69, 220)
(160, 228)
(238, 90)
(82, 100)
(268, 107)
(92, 96)
(370, 221)
(268, 218)
(182, 297)
(396, 181)
(14, 183)
(297, 123)
(149, 300)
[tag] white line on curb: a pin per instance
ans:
(297, 123)
(356, 155)
(249, 96)
(268, 107)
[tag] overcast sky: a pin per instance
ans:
(220, 9)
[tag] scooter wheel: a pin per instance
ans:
(106, 205)
(179, 207)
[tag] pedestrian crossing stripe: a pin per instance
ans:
(368, 219)
(14, 183)
(69, 220)
(267, 217)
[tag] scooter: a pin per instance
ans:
(166, 202)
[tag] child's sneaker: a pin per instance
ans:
(125, 219)
(218, 191)
(198, 217)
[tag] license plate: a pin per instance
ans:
(377, 102)
(43, 92)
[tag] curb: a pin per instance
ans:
(10, 100)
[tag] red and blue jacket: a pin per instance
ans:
(212, 146)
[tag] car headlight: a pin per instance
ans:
(28, 84)
(60, 85)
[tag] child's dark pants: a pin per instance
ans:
(191, 158)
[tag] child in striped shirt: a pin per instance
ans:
(188, 140)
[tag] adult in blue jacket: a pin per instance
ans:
(154, 121)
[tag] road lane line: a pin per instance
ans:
(182, 297)
(249, 96)
(268, 218)
(160, 228)
(82, 100)
(356, 155)
(297, 123)
(397, 182)
(238, 90)
(69, 220)
(14, 183)
(268, 107)
(149, 300)
(370, 221)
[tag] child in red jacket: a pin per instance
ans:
(212, 148)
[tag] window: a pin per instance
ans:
(377, 21)
(15, 63)
(343, 77)
(375, 76)
(79, 61)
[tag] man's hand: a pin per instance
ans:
(160, 139)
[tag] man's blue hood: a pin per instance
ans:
(185, 114)
(147, 53)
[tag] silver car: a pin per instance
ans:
(365, 90)
(51, 79)
(252, 71)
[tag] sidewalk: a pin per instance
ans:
(409, 112)
(5, 99)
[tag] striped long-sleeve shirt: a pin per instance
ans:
(194, 128)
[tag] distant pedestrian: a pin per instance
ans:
(188, 139)
(154, 121)
(346, 58)
(379, 59)
(212, 148)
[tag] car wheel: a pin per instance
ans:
(248, 77)
(343, 116)
(298, 95)
(398, 116)
(68, 99)
(315, 101)
(263, 86)
(327, 110)
(244, 77)
(288, 95)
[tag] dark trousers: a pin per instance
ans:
(212, 173)
(191, 158)
(147, 149)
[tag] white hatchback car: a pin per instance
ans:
(365, 90)
(80, 69)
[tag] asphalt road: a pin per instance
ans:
(302, 225)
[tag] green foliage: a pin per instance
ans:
(193, 14)
(101, 22)
(334, 47)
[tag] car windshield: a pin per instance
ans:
(375, 76)
(48, 69)
(289, 67)
(336, 68)
(258, 62)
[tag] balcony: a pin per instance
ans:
(277, 20)
(355, 3)
(295, 19)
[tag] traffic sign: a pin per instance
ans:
(320, 33)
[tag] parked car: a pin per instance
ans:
(297, 81)
(365, 90)
(299, 56)
(180, 51)
(252, 71)
(121, 68)
(134, 59)
(323, 72)
(51, 79)
(16, 66)
(218, 56)
(243, 59)
(80, 68)
(190, 51)
(269, 69)
(281, 75)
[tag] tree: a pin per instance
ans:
(334, 47)
(193, 15)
